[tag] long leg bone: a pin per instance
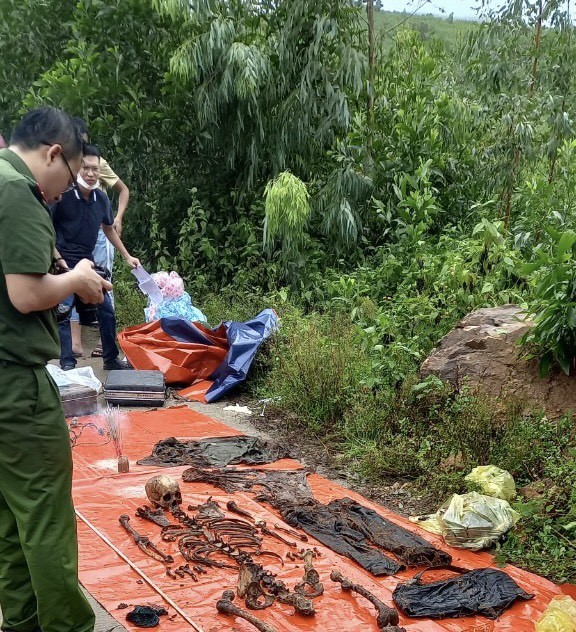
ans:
(311, 579)
(144, 543)
(266, 531)
(387, 617)
(294, 534)
(225, 606)
(233, 507)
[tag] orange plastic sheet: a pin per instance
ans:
(101, 495)
(148, 347)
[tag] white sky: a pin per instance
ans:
(462, 9)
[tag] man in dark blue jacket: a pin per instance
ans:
(77, 218)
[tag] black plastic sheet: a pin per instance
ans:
(485, 591)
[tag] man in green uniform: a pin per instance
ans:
(39, 589)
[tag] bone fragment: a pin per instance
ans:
(310, 586)
(154, 515)
(144, 543)
(233, 507)
(294, 534)
(225, 606)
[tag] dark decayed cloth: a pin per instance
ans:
(343, 525)
(485, 591)
(411, 549)
(278, 487)
(214, 451)
(334, 531)
(350, 529)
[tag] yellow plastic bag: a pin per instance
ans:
(431, 522)
(473, 521)
(559, 616)
(493, 481)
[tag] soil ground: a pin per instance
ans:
(265, 423)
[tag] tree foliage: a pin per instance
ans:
(216, 113)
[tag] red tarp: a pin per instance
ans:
(101, 495)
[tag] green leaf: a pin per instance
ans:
(566, 242)
(545, 364)
(564, 363)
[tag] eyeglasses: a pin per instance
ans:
(72, 176)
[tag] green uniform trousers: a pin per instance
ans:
(38, 545)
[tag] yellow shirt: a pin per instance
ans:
(107, 178)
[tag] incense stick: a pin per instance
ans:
(114, 418)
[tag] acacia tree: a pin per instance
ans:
(32, 35)
(532, 98)
(270, 83)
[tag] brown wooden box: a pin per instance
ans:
(78, 400)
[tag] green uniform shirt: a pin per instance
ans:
(27, 241)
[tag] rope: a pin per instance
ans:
(144, 577)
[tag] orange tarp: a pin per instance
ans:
(149, 348)
(101, 495)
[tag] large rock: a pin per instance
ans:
(483, 350)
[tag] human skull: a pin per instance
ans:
(163, 491)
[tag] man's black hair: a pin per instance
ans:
(81, 125)
(91, 150)
(48, 126)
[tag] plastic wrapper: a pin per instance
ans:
(80, 376)
(475, 521)
(166, 296)
(180, 307)
(493, 481)
(471, 521)
(560, 616)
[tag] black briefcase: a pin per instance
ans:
(135, 388)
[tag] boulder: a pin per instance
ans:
(483, 350)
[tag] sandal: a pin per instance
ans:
(78, 354)
(97, 353)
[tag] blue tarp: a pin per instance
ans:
(243, 340)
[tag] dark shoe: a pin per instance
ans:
(116, 365)
(67, 367)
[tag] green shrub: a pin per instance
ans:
(316, 370)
